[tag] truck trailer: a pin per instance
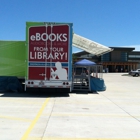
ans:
(44, 59)
(49, 55)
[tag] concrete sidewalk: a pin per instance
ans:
(110, 115)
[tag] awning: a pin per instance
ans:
(89, 45)
(85, 62)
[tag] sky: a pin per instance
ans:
(113, 23)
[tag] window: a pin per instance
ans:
(134, 56)
(123, 56)
(105, 57)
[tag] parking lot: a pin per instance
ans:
(113, 114)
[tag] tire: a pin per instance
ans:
(136, 74)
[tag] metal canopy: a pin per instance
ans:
(89, 45)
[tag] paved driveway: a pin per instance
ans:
(110, 115)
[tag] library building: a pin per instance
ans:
(120, 59)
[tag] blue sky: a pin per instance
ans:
(109, 22)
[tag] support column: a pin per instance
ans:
(131, 67)
(114, 67)
(136, 66)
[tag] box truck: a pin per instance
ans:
(49, 55)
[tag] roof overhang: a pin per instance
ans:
(89, 45)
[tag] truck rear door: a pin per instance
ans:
(48, 50)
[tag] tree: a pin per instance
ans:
(74, 58)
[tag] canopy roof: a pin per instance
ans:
(85, 62)
(89, 45)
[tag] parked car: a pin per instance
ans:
(135, 73)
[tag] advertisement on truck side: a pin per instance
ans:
(50, 52)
